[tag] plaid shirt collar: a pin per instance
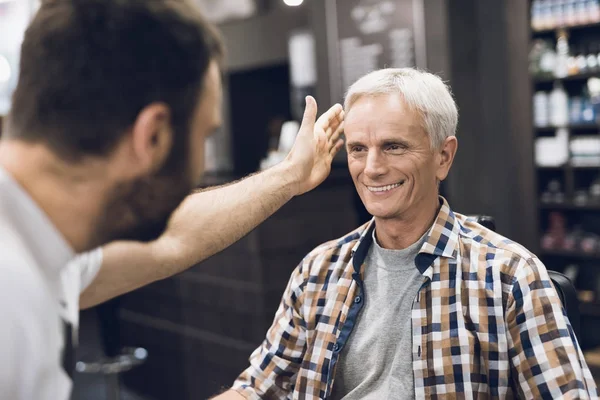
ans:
(441, 241)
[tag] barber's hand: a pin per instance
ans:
(316, 145)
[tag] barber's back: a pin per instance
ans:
(32, 336)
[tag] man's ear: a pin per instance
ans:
(151, 138)
(445, 157)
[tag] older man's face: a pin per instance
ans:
(390, 157)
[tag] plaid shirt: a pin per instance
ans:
(486, 323)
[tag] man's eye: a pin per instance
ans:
(357, 149)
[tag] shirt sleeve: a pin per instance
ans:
(275, 363)
(89, 264)
(546, 360)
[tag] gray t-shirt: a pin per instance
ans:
(376, 362)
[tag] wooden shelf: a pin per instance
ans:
(570, 254)
(573, 128)
(568, 78)
(569, 167)
(557, 168)
(545, 32)
(568, 205)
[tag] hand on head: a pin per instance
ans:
(316, 145)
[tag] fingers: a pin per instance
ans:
(337, 133)
(338, 146)
(310, 114)
(331, 118)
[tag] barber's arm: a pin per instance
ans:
(211, 220)
(545, 357)
(275, 363)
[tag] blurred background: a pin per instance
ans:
(526, 77)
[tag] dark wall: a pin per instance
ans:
(256, 99)
(487, 69)
(262, 40)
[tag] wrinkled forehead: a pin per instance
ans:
(381, 113)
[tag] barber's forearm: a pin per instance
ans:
(207, 222)
(211, 220)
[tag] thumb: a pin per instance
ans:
(310, 115)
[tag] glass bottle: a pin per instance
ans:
(591, 60)
(562, 54)
(581, 61)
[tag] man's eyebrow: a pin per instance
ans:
(383, 142)
(387, 142)
(354, 143)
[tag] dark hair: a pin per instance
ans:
(88, 67)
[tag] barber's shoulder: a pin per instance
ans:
(22, 282)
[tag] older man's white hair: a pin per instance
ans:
(423, 92)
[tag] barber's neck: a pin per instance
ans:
(403, 231)
(70, 195)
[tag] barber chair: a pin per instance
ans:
(563, 285)
(116, 359)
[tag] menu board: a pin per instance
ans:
(374, 34)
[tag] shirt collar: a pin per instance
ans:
(441, 240)
(39, 235)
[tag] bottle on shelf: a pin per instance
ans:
(581, 60)
(588, 114)
(536, 16)
(573, 239)
(570, 13)
(554, 237)
(542, 59)
(593, 9)
(558, 13)
(553, 193)
(561, 69)
(575, 110)
(580, 198)
(559, 106)
(540, 109)
(572, 66)
(581, 11)
(595, 191)
(593, 90)
(591, 59)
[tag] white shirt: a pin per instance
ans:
(40, 283)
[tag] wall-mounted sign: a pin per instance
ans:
(365, 35)
(374, 34)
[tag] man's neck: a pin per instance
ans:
(401, 232)
(71, 196)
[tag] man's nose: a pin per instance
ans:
(376, 165)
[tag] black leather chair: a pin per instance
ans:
(563, 285)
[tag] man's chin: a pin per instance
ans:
(383, 213)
